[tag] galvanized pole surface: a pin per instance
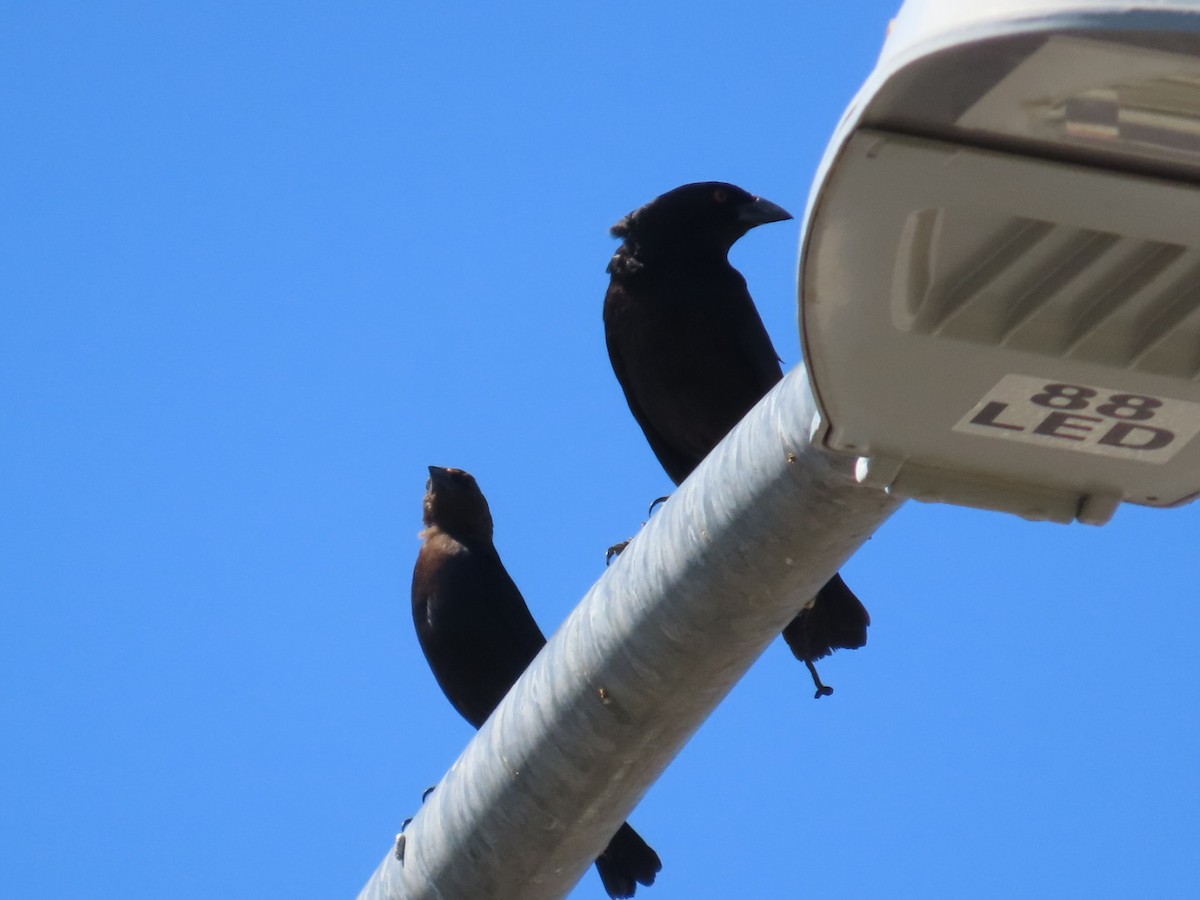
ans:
(640, 664)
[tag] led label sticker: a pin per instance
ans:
(1084, 418)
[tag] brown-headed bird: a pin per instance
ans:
(692, 355)
(479, 636)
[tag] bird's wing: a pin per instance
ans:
(692, 356)
(835, 619)
(676, 456)
(754, 343)
(474, 626)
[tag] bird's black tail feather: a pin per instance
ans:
(835, 620)
(626, 862)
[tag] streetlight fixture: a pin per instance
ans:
(1000, 270)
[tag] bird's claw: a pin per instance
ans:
(823, 690)
(615, 550)
(655, 502)
(425, 794)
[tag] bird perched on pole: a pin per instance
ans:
(692, 356)
(479, 636)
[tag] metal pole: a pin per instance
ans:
(637, 667)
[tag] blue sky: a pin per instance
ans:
(264, 263)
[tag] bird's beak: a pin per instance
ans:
(437, 474)
(760, 212)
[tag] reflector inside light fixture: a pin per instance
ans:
(1089, 93)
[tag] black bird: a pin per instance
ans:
(692, 355)
(479, 636)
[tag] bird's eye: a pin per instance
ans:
(720, 195)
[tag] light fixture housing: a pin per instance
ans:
(1000, 265)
